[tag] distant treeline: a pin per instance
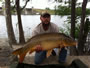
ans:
(65, 10)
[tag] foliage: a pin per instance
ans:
(13, 10)
(67, 26)
(47, 8)
(65, 10)
(79, 10)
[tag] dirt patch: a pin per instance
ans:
(5, 54)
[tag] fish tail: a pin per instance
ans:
(21, 55)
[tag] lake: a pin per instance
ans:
(29, 22)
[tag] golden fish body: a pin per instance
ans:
(48, 42)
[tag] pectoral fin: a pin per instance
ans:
(49, 53)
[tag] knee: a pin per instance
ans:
(63, 55)
(63, 52)
(39, 57)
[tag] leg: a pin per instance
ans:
(39, 57)
(62, 55)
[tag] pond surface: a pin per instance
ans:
(29, 22)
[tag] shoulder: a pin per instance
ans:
(54, 27)
(37, 27)
(36, 30)
(53, 24)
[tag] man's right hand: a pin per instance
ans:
(38, 48)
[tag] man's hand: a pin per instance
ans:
(38, 48)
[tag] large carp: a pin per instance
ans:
(48, 42)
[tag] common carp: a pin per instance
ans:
(48, 42)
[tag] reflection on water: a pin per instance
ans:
(29, 22)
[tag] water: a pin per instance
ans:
(29, 22)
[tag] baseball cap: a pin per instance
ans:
(45, 14)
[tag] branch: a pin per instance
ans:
(25, 4)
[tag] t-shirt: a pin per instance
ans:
(39, 29)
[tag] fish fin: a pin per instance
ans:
(21, 57)
(49, 53)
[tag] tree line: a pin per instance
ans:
(65, 10)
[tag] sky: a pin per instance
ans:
(42, 4)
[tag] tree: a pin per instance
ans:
(85, 34)
(72, 4)
(21, 33)
(73, 50)
(73, 18)
(9, 26)
(80, 40)
(86, 30)
(19, 10)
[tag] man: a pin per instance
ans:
(46, 27)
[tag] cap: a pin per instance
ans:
(45, 14)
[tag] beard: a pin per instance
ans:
(46, 24)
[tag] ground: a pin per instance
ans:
(6, 58)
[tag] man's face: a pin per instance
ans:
(45, 20)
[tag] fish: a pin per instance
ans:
(48, 42)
